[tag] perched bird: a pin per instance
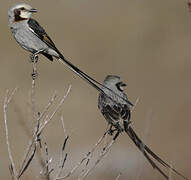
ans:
(33, 38)
(118, 118)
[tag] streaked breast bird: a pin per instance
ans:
(118, 117)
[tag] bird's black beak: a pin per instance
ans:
(123, 84)
(33, 10)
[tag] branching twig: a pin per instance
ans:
(49, 118)
(40, 127)
(101, 156)
(47, 107)
(84, 158)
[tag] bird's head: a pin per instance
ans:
(114, 82)
(21, 12)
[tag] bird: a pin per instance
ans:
(31, 36)
(119, 120)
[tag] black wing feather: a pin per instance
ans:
(48, 56)
(41, 33)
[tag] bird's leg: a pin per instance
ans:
(34, 72)
(116, 135)
(34, 56)
(111, 131)
(34, 60)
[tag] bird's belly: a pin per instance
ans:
(29, 41)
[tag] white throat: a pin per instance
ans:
(25, 14)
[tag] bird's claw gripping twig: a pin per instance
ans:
(111, 131)
(33, 58)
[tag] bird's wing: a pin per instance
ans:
(39, 31)
(147, 151)
(113, 113)
(48, 56)
(125, 113)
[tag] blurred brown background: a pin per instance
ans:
(146, 42)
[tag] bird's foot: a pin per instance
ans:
(111, 131)
(116, 135)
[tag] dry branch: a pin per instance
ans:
(7, 100)
(39, 128)
(84, 158)
(101, 156)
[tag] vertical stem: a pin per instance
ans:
(6, 102)
(34, 75)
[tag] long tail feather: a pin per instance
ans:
(146, 151)
(89, 79)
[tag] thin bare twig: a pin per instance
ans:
(118, 176)
(28, 162)
(136, 102)
(28, 150)
(40, 127)
(34, 73)
(101, 156)
(46, 171)
(84, 158)
(7, 100)
(26, 165)
(11, 172)
(62, 157)
(49, 118)
(47, 160)
(63, 125)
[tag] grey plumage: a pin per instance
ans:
(116, 112)
(118, 116)
(25, 35)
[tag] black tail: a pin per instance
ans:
(89, 79)
(146, 152)
(81, 74)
